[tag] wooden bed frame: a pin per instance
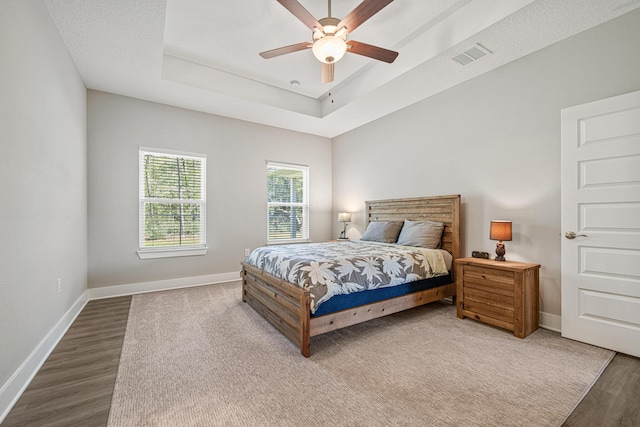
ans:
(286, 306)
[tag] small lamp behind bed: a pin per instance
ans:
(500, 230)
(346, 218)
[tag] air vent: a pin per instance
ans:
(473, 53)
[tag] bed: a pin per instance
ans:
(288, 307)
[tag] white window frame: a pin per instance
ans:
(178, 250)
(304, 204)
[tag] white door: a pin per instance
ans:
(601, 205)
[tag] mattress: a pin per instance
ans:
(335, 269)
(344, 302)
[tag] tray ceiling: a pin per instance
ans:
(203, 54)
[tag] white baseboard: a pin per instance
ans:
(553, 322)
(15, 386)
(161, 285)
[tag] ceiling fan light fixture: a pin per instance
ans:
(342, 33)
(329, 49)
(329, 29)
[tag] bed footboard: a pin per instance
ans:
(353, 316)
(285, 306)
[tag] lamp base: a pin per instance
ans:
(343, 233)
(500, 251)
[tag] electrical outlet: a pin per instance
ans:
(59, 285)
(247, 252)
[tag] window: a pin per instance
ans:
(287, 203)
(172, 204)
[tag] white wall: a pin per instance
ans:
(496, 141)
(43, 193)
(237, 153)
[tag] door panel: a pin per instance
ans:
(603, 173)
(610, 125)
(601, 205)
(607, 307)
(620, 217)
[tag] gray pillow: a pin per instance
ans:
(424, 234)
(382, 231)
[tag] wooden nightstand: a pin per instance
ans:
(500, 293)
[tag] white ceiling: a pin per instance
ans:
(203, 54)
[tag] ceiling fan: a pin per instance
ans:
(330, 36)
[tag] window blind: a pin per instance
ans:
(287, 202)
(172, 199)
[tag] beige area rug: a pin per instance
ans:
(200, 356)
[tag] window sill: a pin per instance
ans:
(171, 252)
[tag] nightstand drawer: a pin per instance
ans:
(489, 304)
(489, 280)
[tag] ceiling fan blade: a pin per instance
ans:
(371, 51)
(361, 13)
(301, 13)
(327, 72)
(285, 49)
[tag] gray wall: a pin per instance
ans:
(496, 141)
(237, 153)
(43, 193)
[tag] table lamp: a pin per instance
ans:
(500, 230)
(344, 217)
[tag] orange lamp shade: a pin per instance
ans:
(500, 230)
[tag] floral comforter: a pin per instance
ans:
(336, 268)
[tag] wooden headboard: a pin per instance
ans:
(445, 209)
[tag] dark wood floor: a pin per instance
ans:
(75, 385)
(614, 400)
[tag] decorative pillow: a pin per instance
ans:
(424, 234)
(382, 231)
